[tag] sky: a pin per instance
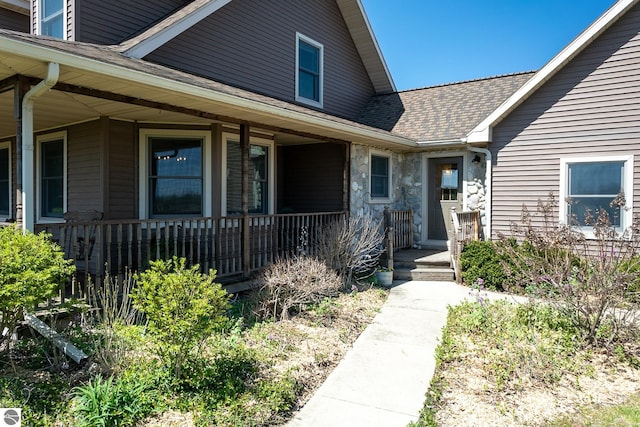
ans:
(430, 42)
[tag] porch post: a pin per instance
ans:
(19, 91)
(346, 179)
(246, 236)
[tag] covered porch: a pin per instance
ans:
(84, 133)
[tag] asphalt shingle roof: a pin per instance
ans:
(441, 113)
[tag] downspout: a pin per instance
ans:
(28, 184)
(487, 189)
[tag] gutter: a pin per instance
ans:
(488, 184)
(28, 183)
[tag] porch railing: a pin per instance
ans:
(221, 243)
(465, 228)
(398, 229)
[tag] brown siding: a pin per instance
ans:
(590, 108)
(122, 181)
(84, 168)
(111, 22)
(15, 21)
(312, 178)
(251, 44)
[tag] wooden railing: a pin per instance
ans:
(398, 229)
(402, 222)
(213, 243)
(466, 227)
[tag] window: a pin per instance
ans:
(380, 176)
(52, 18)
(174, 174)
(589, 186)
(52, 175)
(309, 71)
(5, 180)
(260, 177)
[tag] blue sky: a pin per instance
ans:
(428, 42)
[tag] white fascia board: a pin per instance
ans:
(20, 6)
(148, 45)
(374, 40)
(89, 65)
(482, 132)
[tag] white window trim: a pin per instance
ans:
(144, 136)
(7, 145)
(626, 213)
(226, 137)
(299, 98)
(39, 141)
(64, 19)
(388, 155)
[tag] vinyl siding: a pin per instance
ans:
(122, 167)
(312, 178)
(15, 21)
(84, 168)
(111, 22)
(590, 108)
(251, 44)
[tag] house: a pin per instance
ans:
(154, 114)
(230, 131)
(572, 129)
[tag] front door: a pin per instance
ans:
(445, 192)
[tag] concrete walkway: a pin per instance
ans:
(383, 379)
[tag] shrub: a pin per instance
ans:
(352, 248)
(32, 268)
(112, 314)
(291, 284)
(586, 279)
(481, 260)
(183, 308)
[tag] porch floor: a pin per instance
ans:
(423, 264)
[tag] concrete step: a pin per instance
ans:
(420, 273)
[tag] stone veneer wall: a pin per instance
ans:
(475, 187)
(406, 186)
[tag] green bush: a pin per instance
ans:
(32, 268)
(183, 308)
(480, 260)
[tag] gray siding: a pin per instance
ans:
(251, 44)
(590, 108)
(85, 187)
(15, 21)
(122, 171)
(111, 22)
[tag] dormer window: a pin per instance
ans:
(309, 71)
(51, 18)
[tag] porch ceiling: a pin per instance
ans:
(160, 85)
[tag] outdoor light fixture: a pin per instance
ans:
(476, 159)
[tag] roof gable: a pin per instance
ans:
(483, 131)
(352, 11)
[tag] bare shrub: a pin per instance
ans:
(291, 284)
(586, 277)
(352, 248)
(112, 309)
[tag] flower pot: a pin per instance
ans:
(384, 278)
